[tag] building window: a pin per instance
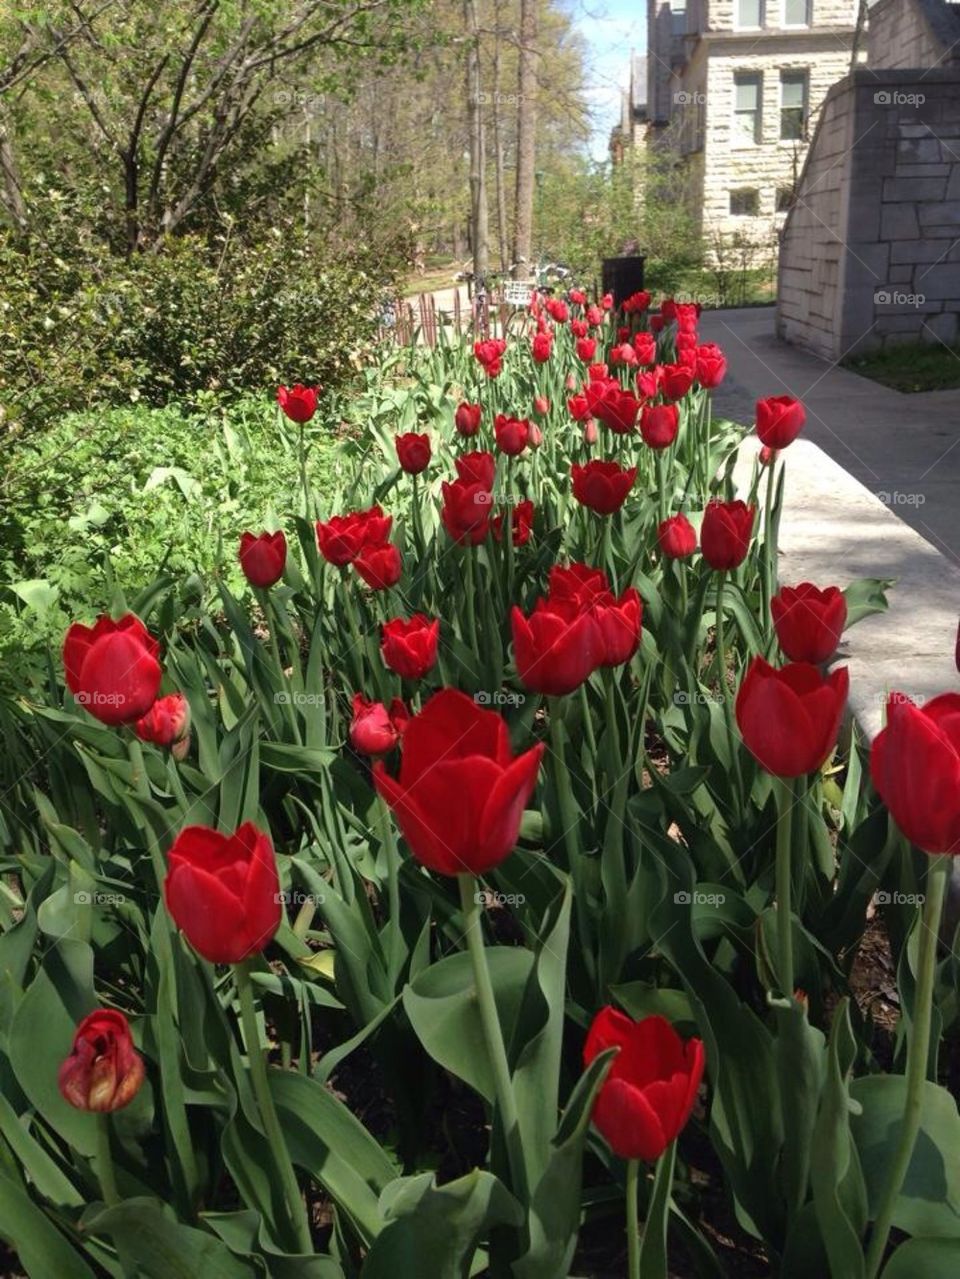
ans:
(747, 89)
(744, 204)
(786, 198)
(796, 13)
(749, 14)
(678, 17)
(793, 105)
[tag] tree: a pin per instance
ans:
(526, 131)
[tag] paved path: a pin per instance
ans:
(904, 448)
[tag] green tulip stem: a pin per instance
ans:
(418, 537)
(732, 735)
(471, 639)
(304, 482)
(651, 1246)
(493, 1033)
(296, 1212)
(769, 568)
(105, 1169)
(661, 484)
(633, 1219)
(394, 932)
(918, 1054)
(271, 615)
(784, 885)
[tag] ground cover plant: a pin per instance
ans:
(475, 885)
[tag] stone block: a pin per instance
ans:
(915, 251)
(898, 221)
(939, 213)
(924, 171)
(919, 150)
(941, 282)
(900, 189)
(941, 328)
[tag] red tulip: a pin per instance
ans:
(808, 621)
(578, 584)
(607, 301)
(112, 668)
(645, 345)
(263, 558)
(223, 891)
(725, 533)
(343, 537)
(636, 303)
(557, 647)
(541, 345)
(711, 367)
(780, 420)
(541, 405)
(687, 315)
(379, 566)
(466, 511)
(657, 323)
(789, 718)
(298, 402)
(602, 486)
(619, 621)
(659, 424)
(590, 433)
(476, 468)
(579, 407)
(521, 523)
(668, 309)
(594, 317)
(646, 1099)
(103, 1071)
(413, 452)
(557, 310)
(915, 766)
(512, 434)
(600, 373)
(648, 381)
(618, 409)
(586, 349)
(577, 296)
(467, 418)
(374, 729)
(677, 537)
(579, 328)
(461, 792)
(490, 355)
(675, 380)
(167, 722)
(623, 354)
(410, 648)
(685, 342)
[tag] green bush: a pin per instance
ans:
(130, 493)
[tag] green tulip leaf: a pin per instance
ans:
(924, 1259)
(41, 1248)
(165, 1248)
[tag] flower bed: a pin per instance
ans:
(492, 870)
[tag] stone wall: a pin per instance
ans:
(870, 254)
(913, 33)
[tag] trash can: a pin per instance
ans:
(623, 277)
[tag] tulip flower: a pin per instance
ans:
(112, 669)
(623, 354)
(521, 523)
(467, 418)
(342, 538)
(477, 468)
(298, 402)
(619, 621)
(413, 452)
(466, 511)
(167, 722)
(223, 891)
(659, 424)
(579, 407)
(375, 729)
(645, 346)
(711, 366)
(617, 409)
(676, 537)
(490, 354)
(602, 486)
(808, 621)
(461, 791)
(915, 767)
(594, 317)
(512, 434)
(556, 647)
(579, 328)
(780, 420)
(410, 648)
(577, 296)
(636, 303)
(541, 345)
(675, 380)
(648, 382)
(557, 310)
(104, 1071)
(646, 1099)
(263, 558)
(725, 533)
(586, 349)
(541, 405)
(789, 718)
(379, 566)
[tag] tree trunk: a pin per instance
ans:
(498, 143)
(478, 187)
(526, 132)
(11, 194)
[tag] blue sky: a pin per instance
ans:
(611, 28)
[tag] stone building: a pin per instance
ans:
(870, 251)
(735, 87)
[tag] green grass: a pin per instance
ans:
(913, 366)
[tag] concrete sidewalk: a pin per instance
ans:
(904, 448)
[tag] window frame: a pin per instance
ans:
(761, 14)
(799, 75)
(796, 26)
(742, 138)
(747, 191)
